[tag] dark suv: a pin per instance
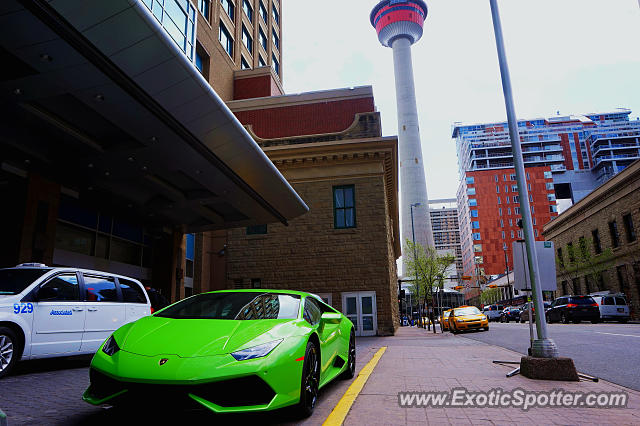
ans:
(573, 308)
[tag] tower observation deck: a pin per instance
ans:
(399, 25)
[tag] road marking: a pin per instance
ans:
(616, 334)
(341, 409)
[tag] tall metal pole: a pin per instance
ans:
(543, 347)
(415, 260)
(506, 264)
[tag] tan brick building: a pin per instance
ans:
(608, 218)
(345, 248)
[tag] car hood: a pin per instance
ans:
(471, 317)
(152, 336)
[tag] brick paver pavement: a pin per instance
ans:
(417, 360)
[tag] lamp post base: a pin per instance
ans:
(544, 348)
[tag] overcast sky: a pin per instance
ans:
(572, 56)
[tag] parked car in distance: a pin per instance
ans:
(444, 320)
(59, 311)
(612, 306)
(573, 308)
(510, 313)
(493, 312)
(524, 312)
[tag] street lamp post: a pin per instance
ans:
(415, 260)
(509, 289)
(543, 347)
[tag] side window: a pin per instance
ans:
(60, 288)
(131, 291)
(100, 289)
(608, 301)
(312, 312)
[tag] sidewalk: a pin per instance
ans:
(418, 360)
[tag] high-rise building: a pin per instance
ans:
(399, 26)
(446, 231)
(566, 157)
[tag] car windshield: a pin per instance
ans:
(446, 314)
(13, 281)
(466, 311)
(235, 306)
(583, 300)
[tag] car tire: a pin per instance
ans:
(595, 321)
(9, 350)
(623, 321)
(521, 321)
(548, 318)
(310, 381)
(486, 328)
(563, 318)
(350, 372)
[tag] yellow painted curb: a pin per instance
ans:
(341, 409)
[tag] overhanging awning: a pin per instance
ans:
(97, 96)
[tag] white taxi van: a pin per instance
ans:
(59, 311)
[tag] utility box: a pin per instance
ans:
(547, 266)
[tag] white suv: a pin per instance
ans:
(58, 311)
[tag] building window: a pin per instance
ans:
(263, 13)
(534, 221)
(514, 188)
(228, 7)
(510, 222)
(548, 175)
(497, 189)
(344, 207)
(595, 234)
(471, 180)
(257, 230)
(202, 61)
(477, 248)
(551, 197)
(501, 223)
(474, 213)
(471, 191)
(528, 177)
(203, 7)
(512, 177)
(247, 40)
(190, 248)
(499, 202)
(508, 211)
(512, 234)
(276, 14)
(473, 202)
(226, 40)
(627, 221)
(275, 63)
(572, 255)
(519, 233)
(178, 19)
(276, 39)
(504, 178)
(261, 62)
(613, 231)
(262, 39)
(248, 10)
(516, 199)
(506, 188)
(475, 224)
(529, 186)
(495, 178)
(256, 283)
(533, 210)
(535, 231)
(499, 211)
(530, 198)
(549, 186)
(553, 209)
(503, 235)
(476, 236)
(516, 210)
(508, 199)
(244, 64)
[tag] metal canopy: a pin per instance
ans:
(96, 96)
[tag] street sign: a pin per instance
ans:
(547, 266)
(466, 278)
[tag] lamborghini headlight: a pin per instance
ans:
(110, 346)
(256, 351)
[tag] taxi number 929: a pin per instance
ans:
(22, 308)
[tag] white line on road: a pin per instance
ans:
(615, 334)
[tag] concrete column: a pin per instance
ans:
(413, 187)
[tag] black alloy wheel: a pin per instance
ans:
(310, 381)
(350, 372)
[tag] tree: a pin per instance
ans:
(490, 295)
(428, 267)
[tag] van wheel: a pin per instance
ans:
(9, 350)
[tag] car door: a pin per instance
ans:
(313, 314)
(105, 311)
(59, 316)
(134, 299)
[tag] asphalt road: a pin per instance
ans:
(49, 391)
(609, 351)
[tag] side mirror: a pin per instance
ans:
(331, 317)
(47, 293)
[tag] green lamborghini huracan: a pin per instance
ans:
(229, 351)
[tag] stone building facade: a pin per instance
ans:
(605, 221)
(348, 260)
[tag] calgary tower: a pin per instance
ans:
(399, 25)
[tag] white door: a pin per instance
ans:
(360, 308)
(105, 313)
(135, 300)
(59, 316)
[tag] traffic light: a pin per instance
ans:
(492, 286)
(458, 287)
(402, 294)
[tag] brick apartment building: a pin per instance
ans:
(608, 218)
(489, 210)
